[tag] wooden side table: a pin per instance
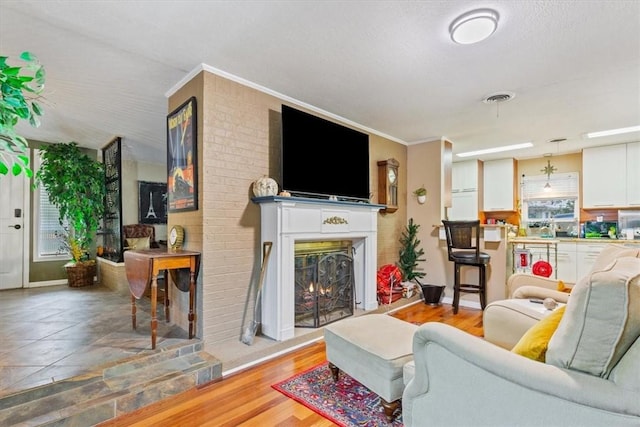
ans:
(142, 268)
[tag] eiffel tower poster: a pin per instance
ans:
(152, 202)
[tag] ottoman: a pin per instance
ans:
(372, 349)
(505, 322)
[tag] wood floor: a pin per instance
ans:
(247, 399)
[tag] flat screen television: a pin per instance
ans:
(323, 159)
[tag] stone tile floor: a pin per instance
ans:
(57, 332)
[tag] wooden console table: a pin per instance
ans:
(142, 268)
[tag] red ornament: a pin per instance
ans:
(542, 268)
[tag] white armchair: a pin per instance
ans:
(462, 380)
(591, 376)
(523, 285)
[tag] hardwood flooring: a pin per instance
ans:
(247, 399)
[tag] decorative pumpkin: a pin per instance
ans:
(265, 186)
(285, 193)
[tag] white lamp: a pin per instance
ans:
(473, 27)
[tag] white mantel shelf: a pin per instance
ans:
(285, 220)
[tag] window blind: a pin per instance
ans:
(48, 224)
(563, 185)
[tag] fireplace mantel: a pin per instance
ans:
(285, 220)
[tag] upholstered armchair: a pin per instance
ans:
(139, 236)
(586, 371)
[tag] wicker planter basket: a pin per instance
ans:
(81, 274)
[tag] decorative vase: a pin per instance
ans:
(422, 199)
(265, 186)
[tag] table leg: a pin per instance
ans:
(192, 291)
(154, 304)
(133, 311)
(166, 296)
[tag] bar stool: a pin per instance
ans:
(463, 245)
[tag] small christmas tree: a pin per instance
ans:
(410, 252)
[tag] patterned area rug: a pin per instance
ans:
(347, 402)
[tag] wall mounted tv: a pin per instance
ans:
(323, 159)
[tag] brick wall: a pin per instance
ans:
(239, 142)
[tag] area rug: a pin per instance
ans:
(347, 402)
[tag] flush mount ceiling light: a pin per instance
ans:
(613, 132)
(496, 149)
(473, 27)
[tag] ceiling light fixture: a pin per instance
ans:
(613, 132)
(473, 27)
(496, 149)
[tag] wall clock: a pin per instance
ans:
(388, 184)
(176, 237)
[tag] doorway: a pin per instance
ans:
(14, 231)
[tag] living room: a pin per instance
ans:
(239, 142)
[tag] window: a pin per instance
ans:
(47, 245)
(557, 203)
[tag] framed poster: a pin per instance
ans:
(182, 155)
(152, 202)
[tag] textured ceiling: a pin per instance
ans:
(388, 66)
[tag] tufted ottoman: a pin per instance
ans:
(372, 349)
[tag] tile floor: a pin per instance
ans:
(52, 333)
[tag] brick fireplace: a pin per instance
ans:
(286, 221)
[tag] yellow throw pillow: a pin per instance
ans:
(534, 342)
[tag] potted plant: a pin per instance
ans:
(75, 184)
(409, 256)
(17, 102)
(421, 194)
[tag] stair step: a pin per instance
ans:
(112, 391)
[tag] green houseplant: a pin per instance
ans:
(410, 252)
(421, 194)
(18, 92)
(75, 184)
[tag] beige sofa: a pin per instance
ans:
(591, 376)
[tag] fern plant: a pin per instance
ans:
(410, 253)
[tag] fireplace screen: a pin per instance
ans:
(324, 283)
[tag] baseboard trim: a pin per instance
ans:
(462, 303)
(44, 283)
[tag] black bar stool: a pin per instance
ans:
(463, 245)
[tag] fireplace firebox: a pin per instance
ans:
(324, 283)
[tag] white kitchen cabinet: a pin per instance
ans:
(465, 176)
(586, 255)
(566, 266)
(604, 176)
(499, 185)
(633, 174)
(464, 206)
(464, 190)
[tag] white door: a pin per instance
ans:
(12, 230)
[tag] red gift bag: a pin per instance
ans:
(389, 281)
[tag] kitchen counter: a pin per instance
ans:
(533, 239)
